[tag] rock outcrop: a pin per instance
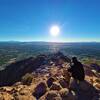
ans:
(50, 82)
(15, 71)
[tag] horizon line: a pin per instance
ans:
(54, 41)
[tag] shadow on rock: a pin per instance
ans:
(85, 91)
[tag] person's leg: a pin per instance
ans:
(73, 85)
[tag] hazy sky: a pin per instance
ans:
(31, 20)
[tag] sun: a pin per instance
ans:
(54, 31)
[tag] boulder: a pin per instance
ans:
(95, 67)
(97, 80)
(6, 89)
(55, 86)
(66, 95)
(97, 86)
(64, 83)
(25, 91)
(51, 95)
(24, 97)
(88, 72)
(63, 92)
(50, 81)
(17, 83)
(19, 87)
(40, 90)
(6, 96)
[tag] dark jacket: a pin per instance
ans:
(77, 71)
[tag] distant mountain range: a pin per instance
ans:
(46, 42)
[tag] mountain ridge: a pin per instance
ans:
(45, 77)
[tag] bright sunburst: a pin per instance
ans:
(54, 31)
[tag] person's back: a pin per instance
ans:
(77, 70)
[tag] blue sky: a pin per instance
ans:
(30, 20)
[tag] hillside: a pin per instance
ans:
(45, 77)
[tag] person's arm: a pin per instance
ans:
(70, 69)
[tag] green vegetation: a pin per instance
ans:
(22, 50)
(27, 79)
(90, 60)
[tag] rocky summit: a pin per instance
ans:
(45, 77)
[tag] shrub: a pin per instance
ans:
(27, 79)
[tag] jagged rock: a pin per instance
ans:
(19, 87)
(23, 94)
(55, 86)
(63, 59)
(50, 81)
(55, 81)
(66, 95)
(17, 83)
(64, 83)
(18, 69)
(1, 97)
(95, 67)
(66, 75)
(63, 92)
(97, 85)
(51, 95)
(59, 58)
(97, 80)
(6, 96)
(40, 89)
(25, 91)
(6, 89)
(89, 72)
(25, 97)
